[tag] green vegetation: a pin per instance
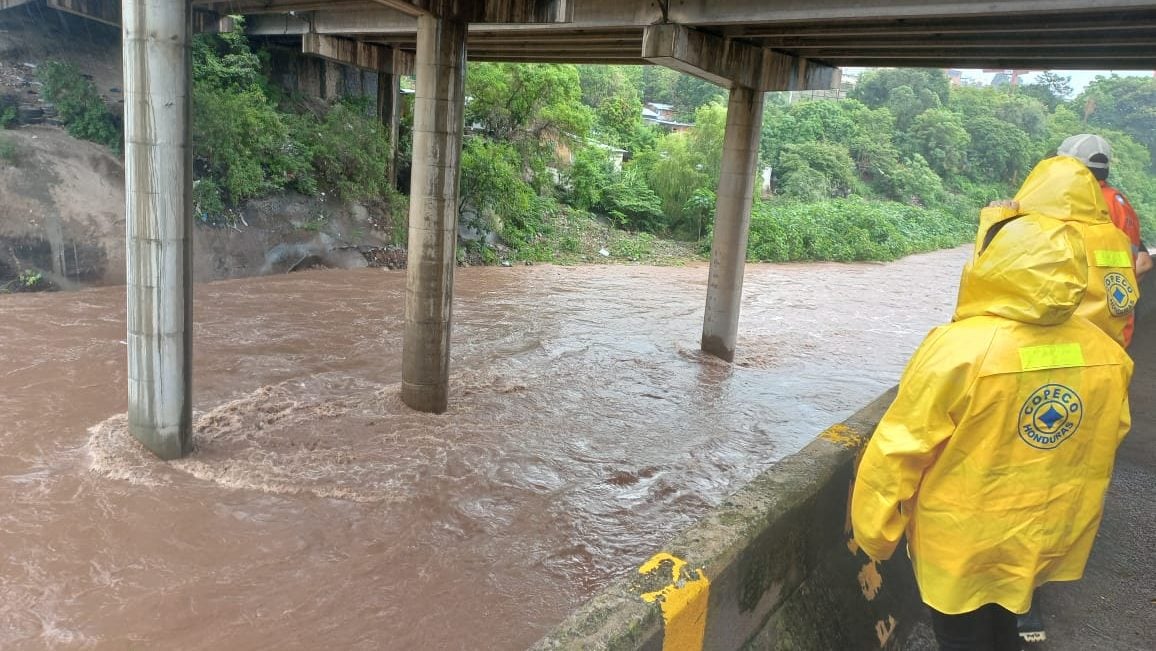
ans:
(558, 164)
(901, 166)
(29, 280)
(851, 229)
(80, 107)
(8, 111)
(249, 140)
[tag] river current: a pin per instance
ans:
(585, 428)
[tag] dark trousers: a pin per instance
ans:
(990, 628)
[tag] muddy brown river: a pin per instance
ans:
(585, 429)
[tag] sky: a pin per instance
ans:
(1080, 78)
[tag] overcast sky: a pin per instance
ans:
(1080, 78)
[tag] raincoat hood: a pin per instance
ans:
(1063, 188)
(1026, 268)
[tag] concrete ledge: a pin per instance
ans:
(783, 570)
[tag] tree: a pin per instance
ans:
(998, 151)
(904, 105)
(525, 102)
(706, 140)
(600, 83)
(674, 173)
(1127, 104)
(875, 86)
(939, 136)
(829, 160)
(658, 84)
(691, 93)
(1049, 88)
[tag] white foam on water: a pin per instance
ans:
(327, 436)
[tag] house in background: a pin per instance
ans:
(662, 116)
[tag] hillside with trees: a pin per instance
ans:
(558, 161)
(900, 166)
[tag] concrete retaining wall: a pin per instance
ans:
(782, 569)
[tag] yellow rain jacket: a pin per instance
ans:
(1064, 189)
(997, 452)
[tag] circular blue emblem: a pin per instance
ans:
(1121, 294)
(1050, 416)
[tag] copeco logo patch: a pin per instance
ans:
(1050, 416)
(1121, 294)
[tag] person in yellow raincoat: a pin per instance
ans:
(996, 455)
(1049, 191)
(1112, 287)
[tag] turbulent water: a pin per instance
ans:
(585, 429)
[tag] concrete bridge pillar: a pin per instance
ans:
(433, 211)
(158, 189)
(732, 222)
(389, 110)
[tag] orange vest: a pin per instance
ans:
(1125, 219)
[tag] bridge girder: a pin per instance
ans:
(1034, 33)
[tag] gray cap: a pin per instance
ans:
(1084, 147)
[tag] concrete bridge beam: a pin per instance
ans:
(358, 54)
(159, 218)
(439, 125)
(730, 63)
(732, 222)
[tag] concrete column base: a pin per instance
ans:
(732, 222)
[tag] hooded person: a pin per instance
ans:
(1064, 189)
(1096, 153)
(996, 455)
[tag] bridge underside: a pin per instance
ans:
(1037, 35)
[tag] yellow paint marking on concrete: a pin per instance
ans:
(884, 630)
(683, 603)
(842, 435)
(870, 580)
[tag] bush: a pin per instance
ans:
(851, 229)
(80, 107)
(243, 144)
(588, 178)
(8, 110)
(492, 182)
(349, 151)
